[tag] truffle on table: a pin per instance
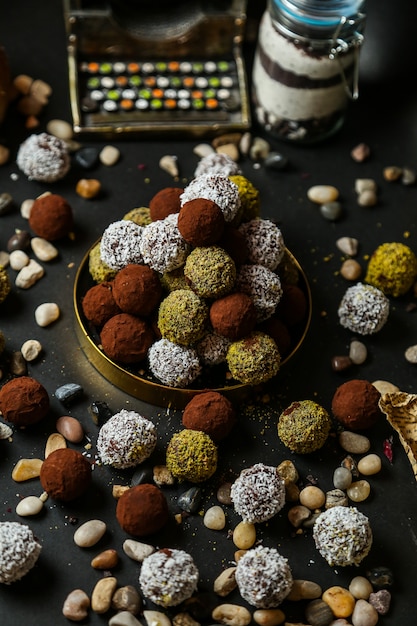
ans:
(364, 309)
(264, 241)
(137, 289)
(233, 316)
(19, 551)
(126, 338)
(258, 493)
(210, 271)
(126, 440)
(304, 426)
(392, 268)
(24, 401)
(191, 455)
(254, 359)
(201, 222)
(355, 404)
(98, 304)
(212, 413)
(44, 158)
(172, 364)
(263, 577)
(142, 510)
(182, 317)
(165, 202)
(218, 188)
(51, 217)
(65, 474)
(168, 577)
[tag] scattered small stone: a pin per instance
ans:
(351, 269)
(360, 587)
(88, 188)
(106, 560)
(364, 614)
(156, 618)
(162, 476)
(76, 605)
(169, 163)
(46, 313)
(5, 431)
(268, 617)
(370, 464)
(203, 149)
(100, 412)
(6, 203)
(89, 533)
(142, 475)
(70, 428)
(244, 535)
(348, 245)
(354, 443)
(298, 514)
(124, 618)
(26, 469)
(29, 275)
(342, 478)
(322, 194)
(359, 491)
(350, 464)
(340, 600)
(365, 184)
(335, 497)
(43, 249)
(312, 497)
(232, 615)
(190, 500)
(411, 354)
(384, 386)
(392, 173)
(31, 349)
(341, 363)
(127, 598)
(380, 577)
(87, 158)
(358, 352)
(223, 494)
(4, 154)
(367, 198)
(18, 259)
(259, 149)
(20, 240)
(54, 442)
(25, 208)
(360, 153)
(18, 365)
(318, 613)
(29, 506)
(225, 583)
(109, 155)
(276, 161)
(230, 149)
(331, 211)
(381, 601)
(118, 491)
(408, 176)
(214, 518)
(137, 550)
(288, 472)
(60, 128)
(69, 392)
(102, 594)
(304, 590)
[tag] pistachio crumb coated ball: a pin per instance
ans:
(5, 285)
(162, 246)
(254, 359)
(126, 440)
(19, 551)
(139, 215)
(343, 536)
(182, 317)
(263, 577)
(249, 198)
(304, 426)
(364, 309)
(165, 202)
(258, 493)
(262, 285)
(120, 244)
(174, 280)
(172, 364)
(168, 577)
(191, 455)
(264, 241)
(99, 271)
(392, 268)
(210, 412)
(210, 271)
(218, 188)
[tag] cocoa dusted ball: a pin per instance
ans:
(99, 305)
(51, 217)
(24, 401)
(233, 316)
(165, 202)
(210, 412)
(201, 222)
(126, 338)
(355, 404)
(142, 510)
(65, 474)
(137, 289)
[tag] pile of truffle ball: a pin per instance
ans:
(195, 281)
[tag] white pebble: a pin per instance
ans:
(46, 313)
(18, 259)
(259, 149)
(369, 465)
(31, 505)
(365, 184)
(156, 618)
(31, 349)
(109, 155)
(321, 194)
(169, 163)
(214, 518)
(89, 533)
(29, 275)
(43, 249)
(203, 150)
(137, 550)
(358, 352)
(348, 245)
(5, 431)
(26, 207)
(124, 618)
(410, 354)
(60, 128)
(364, 614)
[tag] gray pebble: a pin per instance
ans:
(354, 443)
(100, 412)
(190, 500)
(69, 392)
(276, 161)
(141, 476)
(342, 478)
(6, 203)
(365, 184)
(331, 211)
(358, 352)
(87, 158)
(411, 354)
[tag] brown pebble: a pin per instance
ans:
(304, 590)
(70, 428)
(392, 173)
(76, 605)
(102, 594)
(340, 600)
(127, 598)
(297, 515)
(223, 494)
(351, 269)
(108, 559)
(341, 363)
(360, 153)
(88, 188)
(367, 198)
(4, 154)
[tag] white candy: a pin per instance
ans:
(29, 275)
(46, 313)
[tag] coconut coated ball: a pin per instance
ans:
(19, 551)
(191, 455)
(263, 577)
(217, 163)
(162, 246)
(168, 577)
(51, 217)
(264, 241)
(24, 401)
(65, 474)
(392, 268)
(212, 413)
(304, 426)
(254, 359)
(44, 158)
(120, 244)
(172, 364)
(364, 309)
(258, 493)
(262, 285)
(126, 440)
(142, 510)
(355, 404)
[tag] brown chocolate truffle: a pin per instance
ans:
(165, 202)
(23, 401)
(210, 412)
(142, 510)
(235, 244)
(233, 316)
(99, 305)
(126, 338)
(137, 289)
(355, 404)
(292, 307)
(51, 217)
(201, 222)
(65, 474)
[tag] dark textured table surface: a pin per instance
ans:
(385, 118)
